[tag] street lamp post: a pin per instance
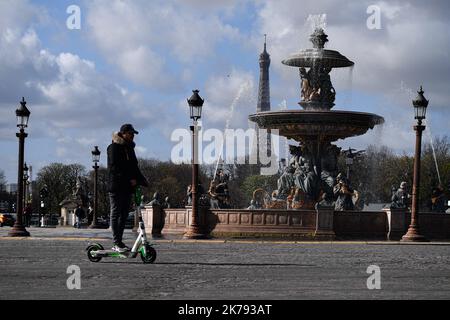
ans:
(195, 106)
(349, 161)
(96, 159)
(23, 114)
(24, 181)
(26, 176)
(282, 165)
(420, 106)
(43, 196)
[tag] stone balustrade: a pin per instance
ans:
(322, 224)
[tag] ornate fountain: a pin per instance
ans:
(311, 174)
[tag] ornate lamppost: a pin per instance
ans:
(282, 165)
(23, 114)
(420, 106)
(349, 161)
(195, 106)
(25, 184)
(96, 159)
(26, 195)
(43, 195)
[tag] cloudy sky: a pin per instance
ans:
(137, 61)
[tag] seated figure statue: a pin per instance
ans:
(400, 198)
(252, 205)
(343, 194)
(307, 181)
(438, 200)
(156, 201)
(286, 183)
(327, 92)
(218, 192)
(167, 204)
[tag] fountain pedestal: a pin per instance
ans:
(397, 224)
(324, 223)
(155, 218)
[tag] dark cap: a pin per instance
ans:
(128, 128)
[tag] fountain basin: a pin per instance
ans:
(314, 57)
(330, 126)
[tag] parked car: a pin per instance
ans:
(102, 223)
(6, 220)
(35, 220)
(49, 221)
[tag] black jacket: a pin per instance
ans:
(79, 213)
(123, 166)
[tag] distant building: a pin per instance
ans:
(11, 188)
(4, 206)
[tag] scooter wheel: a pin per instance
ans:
(92, 248)
(150, 255)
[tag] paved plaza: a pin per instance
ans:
(36, 268)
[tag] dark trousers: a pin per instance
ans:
(120, 207)
(27, 220)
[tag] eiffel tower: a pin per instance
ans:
(263, 96)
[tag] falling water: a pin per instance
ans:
(315, 21)
(404, 88)
(242, 90)
(283, 106)
(349, 98)
(432, 148)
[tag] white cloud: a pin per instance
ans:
(140, 37)
(19, 14)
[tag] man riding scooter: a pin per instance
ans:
(124, 176)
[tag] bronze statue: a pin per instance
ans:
(306, 88)
(344, 194)
(316, 85)
(80, 192)
(438, 200)
(400, 199)
(286, 183)
(218, 191)
(156, 200)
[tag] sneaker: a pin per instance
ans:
(124, 246)
(119, 249)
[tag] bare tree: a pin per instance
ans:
(60, 180)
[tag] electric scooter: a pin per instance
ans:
(96, 251)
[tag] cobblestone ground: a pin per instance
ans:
(36, 268)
